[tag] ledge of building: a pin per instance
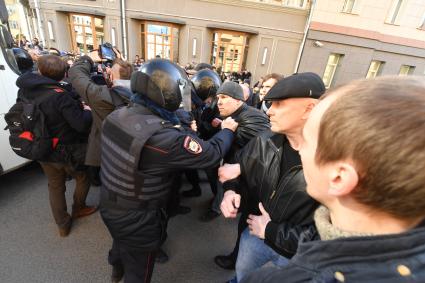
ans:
(232, 28)
(156, 19)
(261, 6)
(79, 10)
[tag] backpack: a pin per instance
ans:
(29, 136)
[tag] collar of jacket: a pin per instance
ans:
(242, 108)
(318, 255)
(122, 83)
(278, 140)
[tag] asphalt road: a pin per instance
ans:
(32, 251)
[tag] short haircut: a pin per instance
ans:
(125, 70)
(52, 66)
(380, 125)
(275, 76)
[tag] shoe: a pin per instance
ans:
(209, 216)
(65, 230)
(195, 192)
(117, 273)
(161, 256)
(225, 261)
(84, 211)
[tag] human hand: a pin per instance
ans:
(216, 122)
(193, 126)
(229, 172)
(230, 124)
(230, 204)
(257, 223)
(94, 55)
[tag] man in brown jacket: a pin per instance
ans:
(102, 101)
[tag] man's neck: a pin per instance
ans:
(295, 140)
(358, 219)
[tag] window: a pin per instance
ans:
(406, 70)
(394, 11)
(295, 3)
(6, 45)
(348, 6)
(229, 50)
(86, 32)
(159, 40)
(50, 30)
(13, 24)
(331, 67)
(422, 26)
(375, 69)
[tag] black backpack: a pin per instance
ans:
(29, 136)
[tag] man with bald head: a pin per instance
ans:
(364, 160)
(278, 206)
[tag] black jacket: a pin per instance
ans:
(65, 116)
(252, 122)
(165, 153)
(374, 259)
(283, 195)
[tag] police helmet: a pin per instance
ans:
(202, 66)
(23, 59)
(206, 83)
(162, 81)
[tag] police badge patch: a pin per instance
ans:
(191, 145)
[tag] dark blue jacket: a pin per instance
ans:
(385, 258)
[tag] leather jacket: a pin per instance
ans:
(252, 122)
(283, 195)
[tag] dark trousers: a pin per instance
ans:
(212, 176)
(56, 175)
(138, 265)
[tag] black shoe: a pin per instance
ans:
(195, 192)
(209, 216)
(117, 273)
(225, 261)
(161, 256)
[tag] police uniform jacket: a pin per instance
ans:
(283, 196)
(134, 209)
(386, 258)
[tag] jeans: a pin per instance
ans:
(253, 254)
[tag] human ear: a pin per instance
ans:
(343, 179)
(307, 110)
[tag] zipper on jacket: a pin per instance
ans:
(280, 182)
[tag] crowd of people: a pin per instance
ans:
(326, 183)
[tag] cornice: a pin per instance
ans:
(258, 5)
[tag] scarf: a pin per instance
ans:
(327, 230)
(155, 108)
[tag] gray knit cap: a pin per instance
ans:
(231, 89)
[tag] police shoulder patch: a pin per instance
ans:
(192, 145)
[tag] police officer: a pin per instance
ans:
(142, 148)
(205, 85)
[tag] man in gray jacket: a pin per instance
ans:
(101, 99)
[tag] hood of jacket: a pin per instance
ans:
(34, 80)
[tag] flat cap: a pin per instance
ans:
(231, 89)
(300, 85)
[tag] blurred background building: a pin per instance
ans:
(340, 40)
